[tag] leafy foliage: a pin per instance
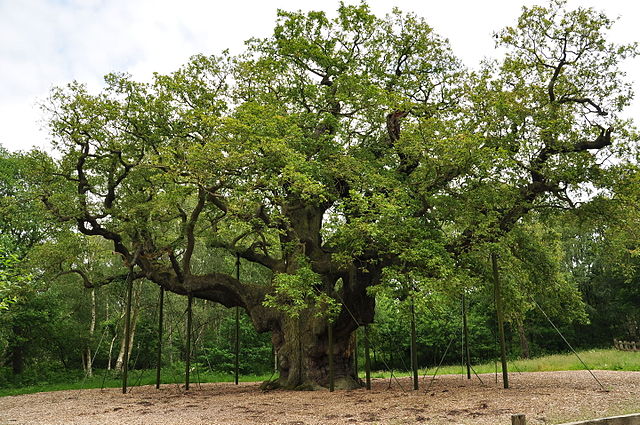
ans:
(341, 160)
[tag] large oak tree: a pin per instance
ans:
(329, 152)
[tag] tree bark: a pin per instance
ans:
(87, 357)
(113, 340)
(134, 320)
(302, 343)
(302, 347)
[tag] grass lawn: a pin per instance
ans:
(107, 379)
(606, 359)
(601, 359)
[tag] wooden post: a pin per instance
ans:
(466, 336)
(127, 331)
(500, 317)
(237, 333)
(331, 371)
(367, 360)
(414, 346)
(160, 323)
(519, 419)
(188, 359)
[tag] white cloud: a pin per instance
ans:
(44, 43)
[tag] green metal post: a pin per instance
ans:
(367, 360)
(331, 371)
(414, 346)
(466, 336)
(188, 359)
(500, 317)
(237, 332)
(355, 352)
(127, 331)
(160, 323)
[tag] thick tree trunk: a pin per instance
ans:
(302, 347)
(302, 343)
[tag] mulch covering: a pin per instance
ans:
(545, 397)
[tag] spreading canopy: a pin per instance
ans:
(333, 150)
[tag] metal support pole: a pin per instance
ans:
(367, 359)
(237, 331)
(236, 372)
(500, 317)
(188, 354)
(127, 331)
(300, 361)
(160, 323)
(414, 346)
(331, 371)
(466, 336)
(355, 352)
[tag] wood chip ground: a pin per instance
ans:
(545, 397)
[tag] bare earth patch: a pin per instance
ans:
(545, 397)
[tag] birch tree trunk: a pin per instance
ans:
(134, 320)
(87, 355)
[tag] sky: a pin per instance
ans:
(48, 43)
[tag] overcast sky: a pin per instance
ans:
(44, 43)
